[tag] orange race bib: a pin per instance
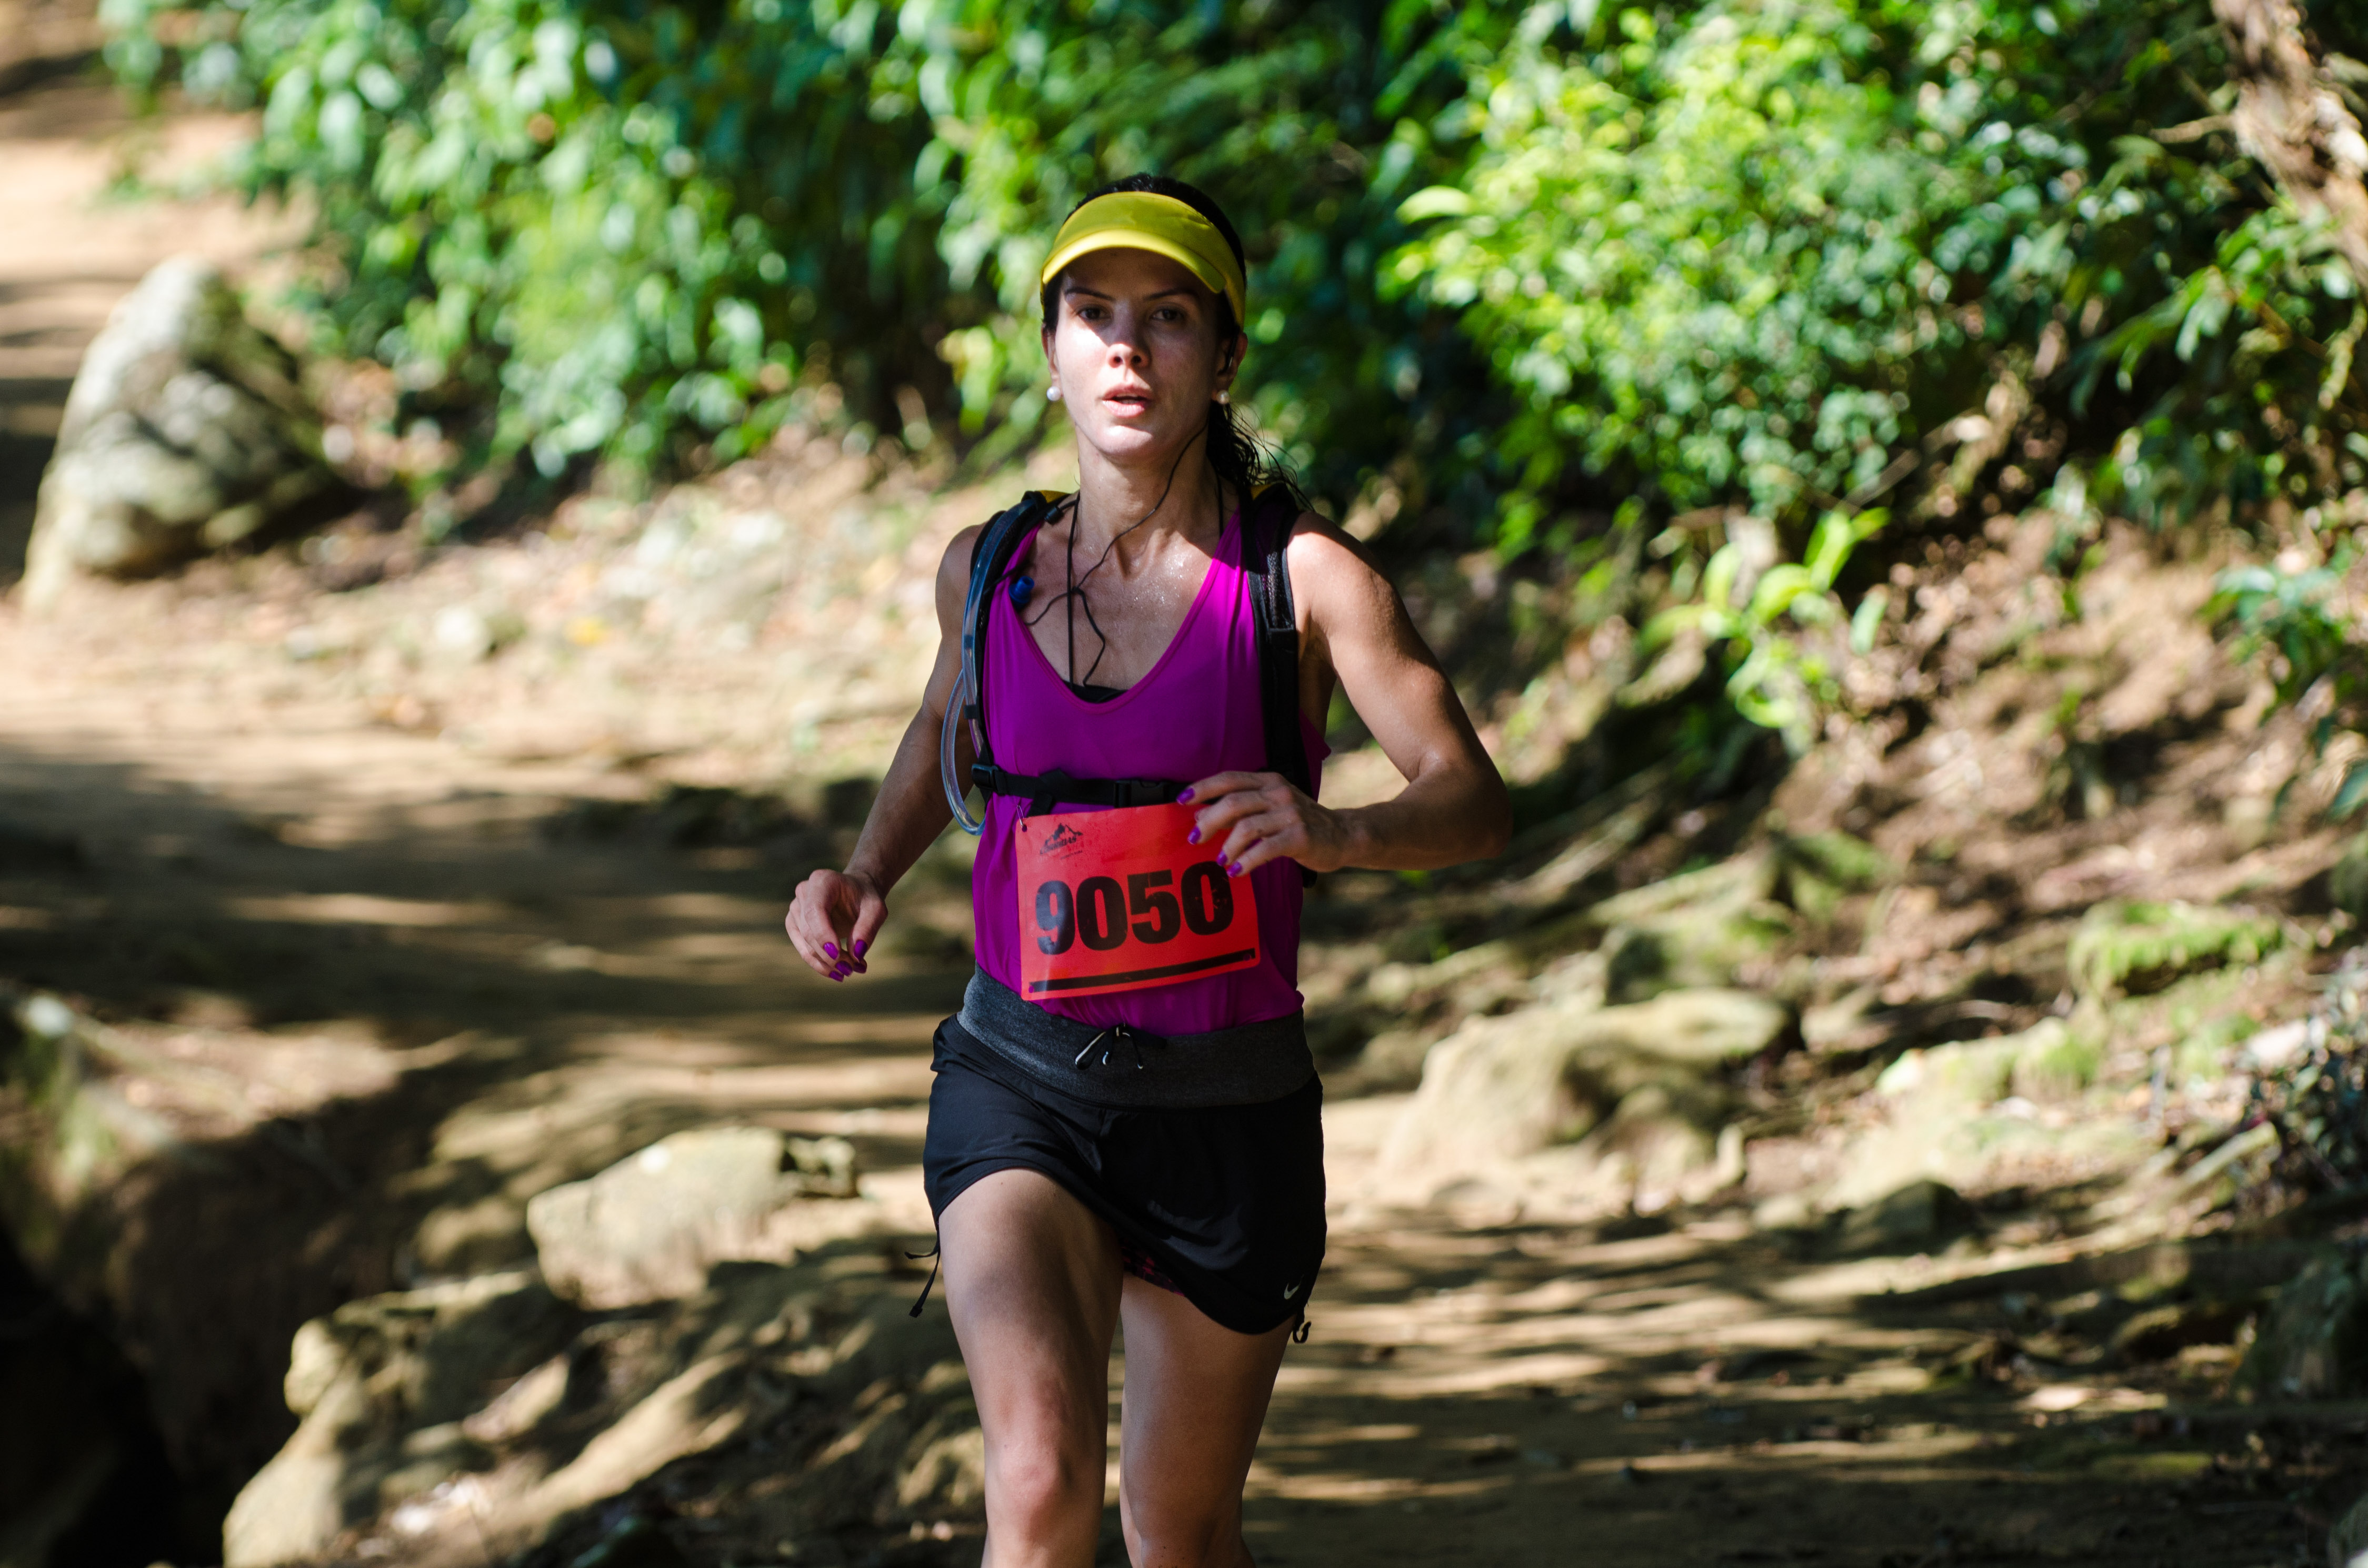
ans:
(1118, 900)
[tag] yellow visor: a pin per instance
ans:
(1134, 220)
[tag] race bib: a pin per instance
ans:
(1119, 900)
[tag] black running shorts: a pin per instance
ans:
(1224, 1205)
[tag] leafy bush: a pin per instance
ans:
(2291, 617)
(1758, 250)
(629, 227)
(1783, 255)
(1555, 275)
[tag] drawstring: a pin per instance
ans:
(1118, 1034)
(1298, 1335)
(923, 1301)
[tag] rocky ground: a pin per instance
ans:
(372, 931)
(1855, 1164)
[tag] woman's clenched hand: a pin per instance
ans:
(833, 920)
(1253, 818)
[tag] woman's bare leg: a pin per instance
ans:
(1196, 1395)
(1033, 1285)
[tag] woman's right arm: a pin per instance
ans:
(836, 916)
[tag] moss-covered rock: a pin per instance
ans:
(1504, 1088)
(2129, 947)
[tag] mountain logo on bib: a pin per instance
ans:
(1062, 841)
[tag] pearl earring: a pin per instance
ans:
(1225, 397)
(1053, 394)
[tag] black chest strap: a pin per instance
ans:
(1045, 790)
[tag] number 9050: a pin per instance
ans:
(1098, 915)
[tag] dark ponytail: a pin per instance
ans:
(1242, 462)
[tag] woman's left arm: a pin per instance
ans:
(1453, 807)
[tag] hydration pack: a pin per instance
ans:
(1265, 536)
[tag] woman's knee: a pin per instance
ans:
(1038, 1484)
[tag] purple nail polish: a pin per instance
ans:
(1194, 837)
(830, 949)
(1220, 858)
(1235, 869)
(1184, 797)
(859, 946)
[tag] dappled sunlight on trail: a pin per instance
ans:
(396, 1001)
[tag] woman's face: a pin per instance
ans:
(1133, 349)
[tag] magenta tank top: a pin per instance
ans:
(1197, 712)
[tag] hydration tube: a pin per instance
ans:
(950, 732)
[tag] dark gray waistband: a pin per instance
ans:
(1126, 1069)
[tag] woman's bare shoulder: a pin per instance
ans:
(953, 573)
(1326, 557)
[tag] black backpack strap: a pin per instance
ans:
(1043, 791)
(990, 559)
(1266, 543)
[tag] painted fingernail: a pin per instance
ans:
(1235, 869)
(1184, 797)
(1221, 857)
(859, 946)
(1194, 837)
(830, 949)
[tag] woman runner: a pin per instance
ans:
(1137, 1139)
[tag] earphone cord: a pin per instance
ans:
(1075, 593)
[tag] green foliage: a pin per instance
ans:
(2136, 947)
(1785, 632)
(1556, 272)
(1777, 253)
(1754, 249)
(2287, 616)
(2299, 625)
(628, 226)
(1696, 246)
(576, 216)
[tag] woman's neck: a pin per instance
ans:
(1141, 506)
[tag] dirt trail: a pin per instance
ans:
(434, 1007)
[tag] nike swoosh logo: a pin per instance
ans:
(1288, 1291)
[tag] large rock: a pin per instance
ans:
(1504, 1088)
(185, 431)
(483, 1422)
(649, 1227)
(370, 1381)
(1967, 1115)
(2313, 1342)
